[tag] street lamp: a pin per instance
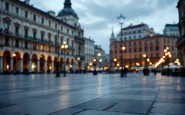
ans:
(94, 72)
(64, 47)
(122, 50)
(121, 19)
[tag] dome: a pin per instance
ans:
(67, 10)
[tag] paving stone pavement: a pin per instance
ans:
(85, 94)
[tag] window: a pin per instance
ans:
(55, 26)
(34, 34)
(139, 36)
(49, 37)
(42, 36)
(6, 41)
(146, 49)
(130, 37)
(164, 40)
(6, 6)
(157, 48)
(135, 50)
(56, 39)
(135, 44)
(67, 30)
(151, 48)
(157, 41)
(49, 23)
(16, 30)
(130, 43)
(125, 38)
(42, 21)
(17, 43)
(26, 14)
(26, 33)
(151, 41)
(26, 45)
(134, 32)
(130, 50)
(146, 42)
(125, 33)
(34, 46)
(34, 18)
(17, 10)
(62, 28)
(140, 49)
(134, 37)
(6, 26)
(139, 31)
(140, 43)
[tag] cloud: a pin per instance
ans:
(98, 16)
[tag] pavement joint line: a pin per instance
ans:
(109, 107)
(80, 111)
(150, 108)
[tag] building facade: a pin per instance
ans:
(133, 32)
(30, 38)
(171, 30)
(152, 46)
(89, 50)
(181, 25)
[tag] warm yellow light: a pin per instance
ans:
(50, 67)
(115, 59)
(118, 65)
(170, 56)
(165, 50)
(150, 63)
(100, 60)
(127, 66)
(78, 58)
(148, 59)
(99, 54)
(14, 55)
(168, 53)
(144, 55)
(123, 48)
(33, 66)
(164, 56)
(94, 60)
(90, 64)
(62, 46)
(7, 66)
(64, 42)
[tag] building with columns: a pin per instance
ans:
(181, 25)
(30, 38)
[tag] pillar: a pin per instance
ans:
(52, 66)
(38, 66)
(1, 64)
(45, 66)
(11, 64)
(30, 65)
(21, 65)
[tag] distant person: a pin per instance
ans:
(125, 71)
(155, 71)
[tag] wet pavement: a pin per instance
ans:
(85, 94)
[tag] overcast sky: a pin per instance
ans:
(97, 17)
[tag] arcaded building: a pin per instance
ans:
(181, 25)
(30, 39)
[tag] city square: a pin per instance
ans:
(67, 57)
(85, 94)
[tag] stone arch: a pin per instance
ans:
(34, 63)
(42, 63)
(26, 66)
(6, 61)
(62, 63)
(68, 64)
(49, 64)
(55, 64)
(16, 61)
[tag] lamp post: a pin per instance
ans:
(122, 65)
(58, 62)
(100, 63)
(94, 72)
(64, 47)
(79, 64)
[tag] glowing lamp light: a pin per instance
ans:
(144, 55)
(99, 54)
(94, 60)
(115, 59)
(14, 55)
(78, 58)
(123, 48)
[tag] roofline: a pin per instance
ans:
(44, 13)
